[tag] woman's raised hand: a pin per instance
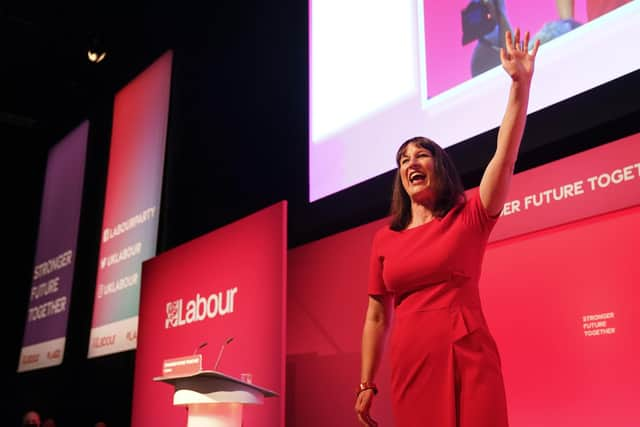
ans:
(516, 59)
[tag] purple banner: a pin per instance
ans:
(50, 294)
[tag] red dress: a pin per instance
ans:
(445, 366)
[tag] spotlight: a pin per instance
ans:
(96, 57)
(96, 52)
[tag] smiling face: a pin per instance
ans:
(416, 169)
(425, 176)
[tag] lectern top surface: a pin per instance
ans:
(214, 375)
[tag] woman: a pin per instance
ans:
(445, 367)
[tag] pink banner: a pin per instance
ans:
(132, 206)
(600, 180)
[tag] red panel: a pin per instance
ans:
(327, 300)
(244, 262)
(537, 291)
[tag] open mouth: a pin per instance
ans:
(416, 177)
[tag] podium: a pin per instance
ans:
(214, 399)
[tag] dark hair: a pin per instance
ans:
(446, 184)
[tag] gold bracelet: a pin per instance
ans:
(367, 386)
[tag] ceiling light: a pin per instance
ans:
(96, 51)
(96, 57)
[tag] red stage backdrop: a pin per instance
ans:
(239, 268)
(558, 286)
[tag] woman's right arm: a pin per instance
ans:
(374, 333)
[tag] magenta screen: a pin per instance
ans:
(382, 72)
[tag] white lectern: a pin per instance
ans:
(214, 399)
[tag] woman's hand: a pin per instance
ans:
(363, 405)
(516, 59)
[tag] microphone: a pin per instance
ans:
(199, 347)
(228, 340)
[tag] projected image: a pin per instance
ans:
(382, 72)
(452, 57)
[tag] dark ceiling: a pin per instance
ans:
(46, 80)
(48, 86)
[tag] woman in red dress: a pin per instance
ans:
(424, 272)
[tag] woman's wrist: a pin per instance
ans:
(367, 385)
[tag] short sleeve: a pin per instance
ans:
(376, 283)
(476, 214)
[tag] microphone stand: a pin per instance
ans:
(221, 351)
